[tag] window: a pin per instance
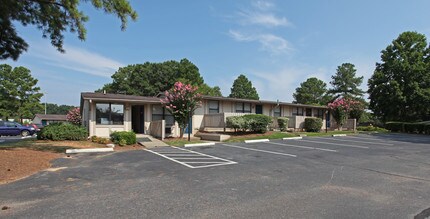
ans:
(320, 113)
(243, 107)
(308, 111)
(298, 111)
(277, 112)
(213, 106)
(160, 113)
(109, 114)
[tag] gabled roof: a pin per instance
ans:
(51, 117)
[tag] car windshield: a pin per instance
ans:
(17, 124)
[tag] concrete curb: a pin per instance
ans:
(199, 144)
(256, 140)
(338, 135)
(292, 138)
(88, 150)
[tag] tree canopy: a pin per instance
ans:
(242, 88)
(399, 88)
(149, 79)
(53, 18)
(345, 84)
(19, 95)
(313, 92)
(52, 108)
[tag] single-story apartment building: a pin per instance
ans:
(46, 119)
(104, 113)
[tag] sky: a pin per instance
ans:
(276, 44)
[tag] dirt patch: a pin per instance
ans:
(128, 147)
(19, 163)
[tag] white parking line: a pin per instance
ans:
(264, 151)
(343, 145)
(305, 147)
(366, 142)
(187, 157)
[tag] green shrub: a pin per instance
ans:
(395, 126)
(313, 124)
(63, 131)
(426, 129)
(235, 122)
(102, 140)
(122, 142)
(370, 129)
(94, 138)
(283, 123)
(129, 137)
(257, 122)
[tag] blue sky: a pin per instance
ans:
(276, 44)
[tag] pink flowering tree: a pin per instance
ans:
(181, 101)
(74, 116)
(340, 109)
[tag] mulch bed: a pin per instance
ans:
(19, 163)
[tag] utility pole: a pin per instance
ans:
(45, 100)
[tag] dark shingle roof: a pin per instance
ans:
(52, 117)
(119, 97)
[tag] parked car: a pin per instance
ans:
(14, 128)
(38, 127)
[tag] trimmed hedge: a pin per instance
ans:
(63, 131)
(283, 123)
(313, 124)
(407, 127)
(253, 122)
(123, 138)
(370, 129)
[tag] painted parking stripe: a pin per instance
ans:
(264, 151)
(366, 142)
(191, 159)
(304, 147)
(343, 145)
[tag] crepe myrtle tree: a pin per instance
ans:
(181, 101)
(341, 108)
(74, 116)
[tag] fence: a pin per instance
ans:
(158, 129)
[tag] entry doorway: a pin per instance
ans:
(138, 118)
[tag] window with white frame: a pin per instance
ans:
(213, 106)
(243, 107)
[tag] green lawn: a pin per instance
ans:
(323, 133)
(51, 146)
(280, 135)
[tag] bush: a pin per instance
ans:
(128, 137)
(313, 124)
(63, 131)
(257, 122)
(395, 126)
(370, 129)
(426, 129)
(235, 122)
(283, 123)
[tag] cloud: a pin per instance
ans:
(269, 42)
(264, 19)
(76, 59)
(263, 5)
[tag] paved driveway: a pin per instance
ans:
(383, 176)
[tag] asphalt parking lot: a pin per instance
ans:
(364, 176)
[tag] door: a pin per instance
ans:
(138, 118)
(258, 109)
(189, 127)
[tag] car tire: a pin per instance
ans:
(25, 133)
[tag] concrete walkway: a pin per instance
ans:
(149, 141)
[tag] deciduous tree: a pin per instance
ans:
(399, 88)
(242, 88)
(181, 101)
(53, 18)
(74, 116)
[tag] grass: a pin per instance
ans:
(268, 135)
(50, 146)
(323, 133)
(181, 142)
